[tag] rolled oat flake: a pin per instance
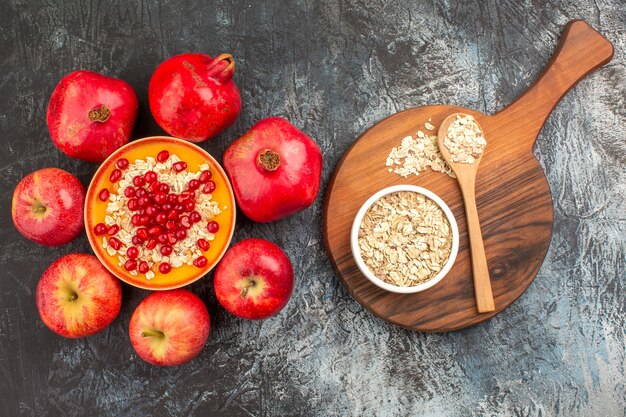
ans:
(464, 140)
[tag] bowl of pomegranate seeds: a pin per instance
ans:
(160, 213)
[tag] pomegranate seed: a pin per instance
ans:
(200, 262)
(162, 238)
(171, 198)
(151, 211)
(138, 181)
(166, 250)
(209, 187)
(161, 218)
(182, 198)
(190, 205)
(141, 192)
(180, 234)
(166, 207)
(195, 217)
(151, 243)
(203, 244)
(143, 201)
(163, 156)
(205, 176)
(129, 192)
(104, 194)
(154, 187)
(188, 194)
(179, 166)
(144, 220)
(172, 214)
(132, 204)
(184, 222)
(130, 265)
(136, 240)
(112, 231)
(213, 226)
(100, 229)
(170, 225)
(150, 177)
(160, 198)
(115, 175)
(143, 234)
(164, 188)
(122, 163)
(178, 207)
(132, 252)
(155, 230)
(171, 239)
(134, 220)
(144, 267)
(165, 268)
(193, 185)
(114, 243)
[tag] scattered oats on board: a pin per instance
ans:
(415, 154)
(464, 140)
(405, 238)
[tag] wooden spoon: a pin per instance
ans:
(466, 175)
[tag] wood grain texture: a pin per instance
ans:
(512, 195)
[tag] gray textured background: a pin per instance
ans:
(333, 68)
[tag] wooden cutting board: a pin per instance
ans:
(513, 198)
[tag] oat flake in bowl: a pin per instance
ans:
(404, 239)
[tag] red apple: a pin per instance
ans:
(77, 296)
(254, 280)
(47, 206)
(91, 115)
(169, 327)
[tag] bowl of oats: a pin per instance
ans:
(404, 239)
(160, 213)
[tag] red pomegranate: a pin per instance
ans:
(91, 115)
(193, 96)
(275, 170)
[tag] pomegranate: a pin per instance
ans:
(193, 96)
(91, 115)
(275, 170)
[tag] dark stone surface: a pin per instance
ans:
(333, 68)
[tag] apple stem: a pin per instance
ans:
(150, 333)
(244, 292)
(39, 208)
(73, 296)
(268, 160)
(100, 114)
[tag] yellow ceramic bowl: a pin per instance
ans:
(95, 210)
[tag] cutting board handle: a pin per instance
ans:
(580, 51)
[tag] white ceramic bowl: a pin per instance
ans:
(356, 252)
